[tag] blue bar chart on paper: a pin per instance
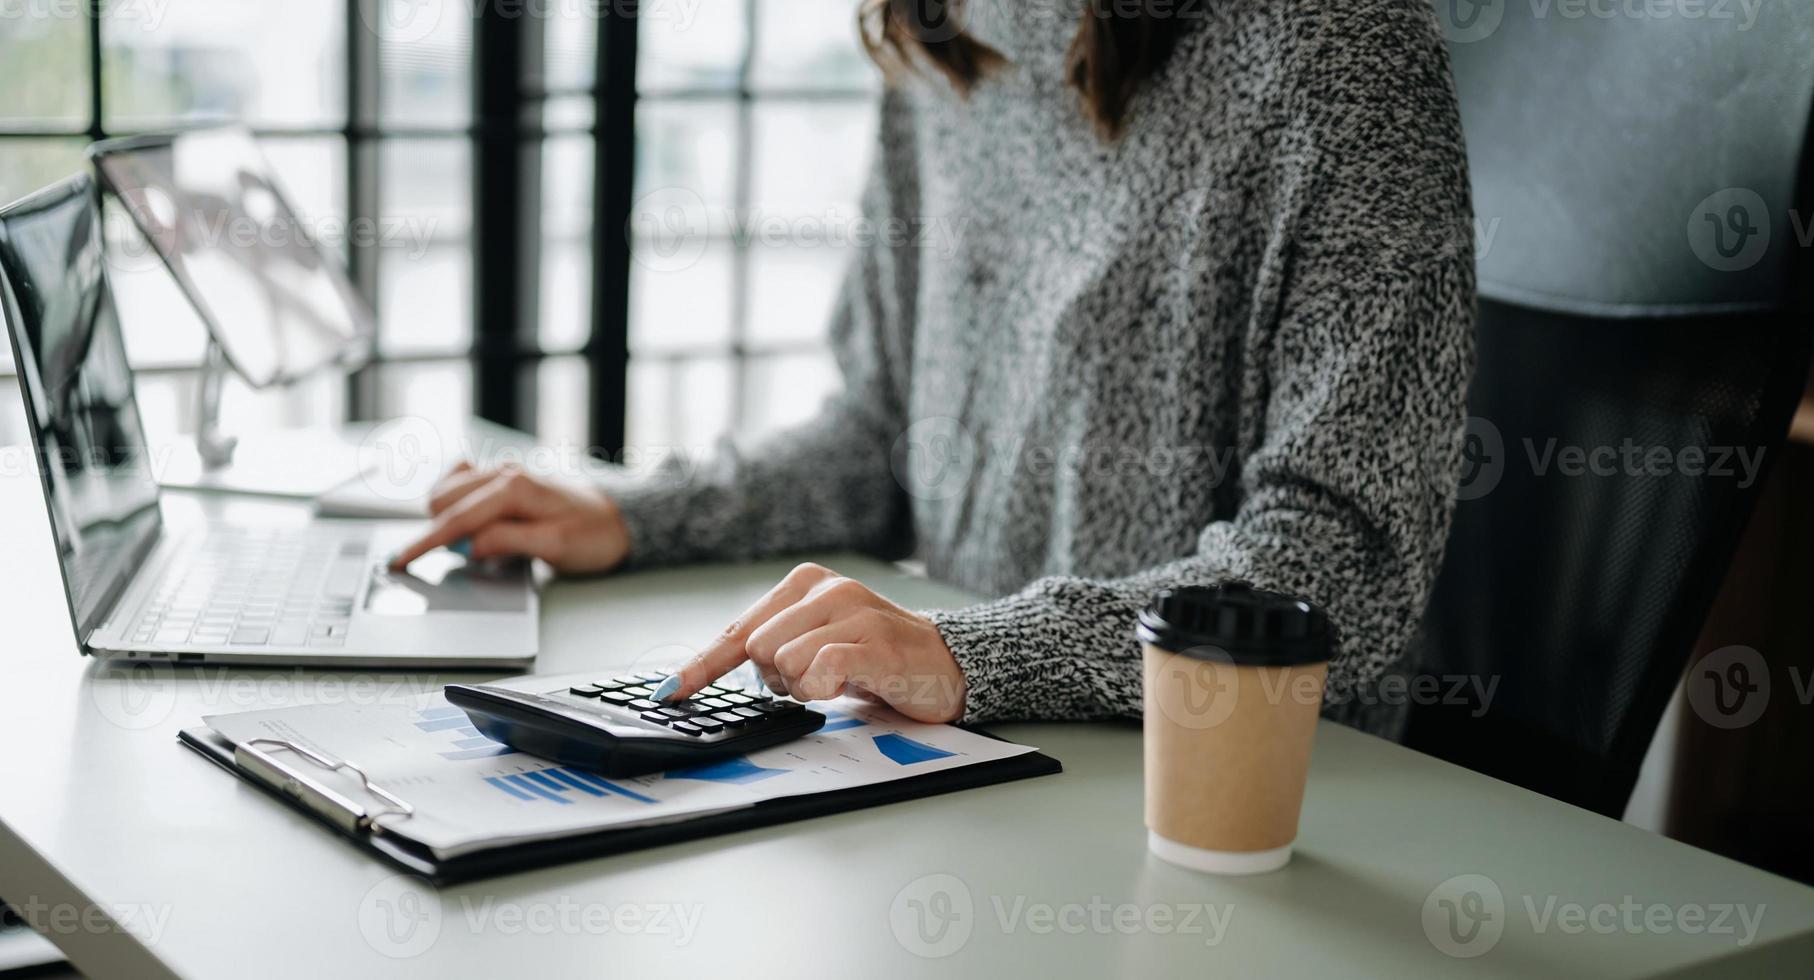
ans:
(560, 786)
(740, 771)
(904, 751)
(838, 721)
(464, 741)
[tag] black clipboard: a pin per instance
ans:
(417, 859)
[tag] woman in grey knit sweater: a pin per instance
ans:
(1198, 308)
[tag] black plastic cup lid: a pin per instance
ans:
(1237, 622)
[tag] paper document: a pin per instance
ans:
(471, 793)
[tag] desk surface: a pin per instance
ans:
(142, 860)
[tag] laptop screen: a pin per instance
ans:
(78, 396)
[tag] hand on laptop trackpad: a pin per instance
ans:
(442, 581)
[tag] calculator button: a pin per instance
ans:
(656, 717)
(586, 690)
(686, 727)
(716, 704)
(618, 697)
(730, 718)
(649, 678)
(673, 713)
(639, 691)
(737, 697)
(747, 713)
(706, 724)
(643, 704)
(625, 681)
(713, 691)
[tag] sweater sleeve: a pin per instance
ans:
(1345, 502)
(1350, 452)
(828, 483)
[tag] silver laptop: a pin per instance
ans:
(216, 589)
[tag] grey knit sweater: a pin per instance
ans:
(1232, 344)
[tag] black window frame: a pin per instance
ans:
(622, 95)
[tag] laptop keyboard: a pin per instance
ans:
(243, 587)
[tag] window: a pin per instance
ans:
(167, 66)
(497, 137)
(754, 126)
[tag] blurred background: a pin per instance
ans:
(550, 211)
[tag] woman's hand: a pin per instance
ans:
(818, 635)
(505, 512)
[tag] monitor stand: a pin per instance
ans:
(302, 463)
(212, 446)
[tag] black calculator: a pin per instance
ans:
(616, 727)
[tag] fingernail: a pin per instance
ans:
(667, 687)
(462, 547)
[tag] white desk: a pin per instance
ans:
(101, 809)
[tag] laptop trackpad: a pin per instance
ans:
(442, 581)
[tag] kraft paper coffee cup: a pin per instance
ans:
(1234, 684)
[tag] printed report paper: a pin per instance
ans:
(471, 794)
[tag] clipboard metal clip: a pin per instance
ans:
(348, 814)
